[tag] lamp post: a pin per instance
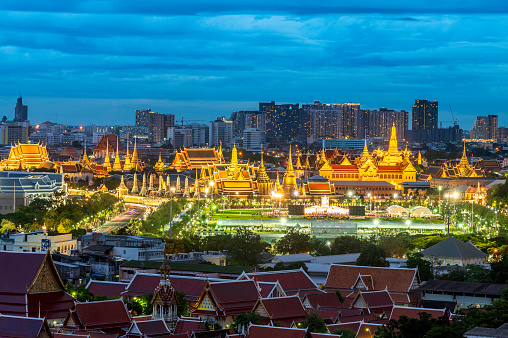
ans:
(171, 211)
(439, 200)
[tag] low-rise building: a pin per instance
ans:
(38, 241)
(464, 293)
(128, 247)
(452, 251)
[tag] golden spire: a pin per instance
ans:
(85, 161)
(135, 160)
(159, 166)
(307, 164)
(107, 163)
(220, 153)
(419, 158)
(298, 163)
(127, 163)
(393, 147)
(234, 157)
(117, 166)
(289, 179)
(263, 181)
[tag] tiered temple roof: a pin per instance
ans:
(191, 159)
(26, 157)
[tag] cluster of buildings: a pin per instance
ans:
(34, 301)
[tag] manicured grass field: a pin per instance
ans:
(239, 214)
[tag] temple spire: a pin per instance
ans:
(107, 163)
(117, 166)
(393, 147)
(127, 163)
(234, 157)
(135, 160)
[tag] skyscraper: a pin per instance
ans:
(325, 119)
(484, 127)
(20, 111)
(425, 115)
(380, 122)
(159, 125)
(143, 117)
(285, 121)
(221, 130)
(353, 121)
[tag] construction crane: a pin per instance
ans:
(453, 117)
(191, 121)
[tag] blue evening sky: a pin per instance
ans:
(84, 62)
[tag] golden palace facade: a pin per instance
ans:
(392, 166)
(27, 157)
(192, 159)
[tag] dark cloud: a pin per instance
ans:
(124, 52)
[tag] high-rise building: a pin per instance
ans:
(353, 121)
(200, 134)
(425, 115)
(252, 138)
(180, 136)
(143, 117)
(380, 122)
(220, 130)
(325, 119)
(158, 126)
(247, 119)
(20, 111)
(484, 127)
(285, 121)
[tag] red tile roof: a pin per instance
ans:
(144, 284)
(104, 288)
(189, 325)
(344, 277)
(290, 280)
(230, 298)
(323, 299)
(12, 326)
(14, 283)
(279, 308)
(150, 327)
(104, 315)
(373, 299)
(259, 331)
(412, 312)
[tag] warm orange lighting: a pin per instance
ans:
(80, 127)
(37, 127)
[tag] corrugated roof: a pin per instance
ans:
(463, 287)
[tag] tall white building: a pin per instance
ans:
(180, 137)
(252, 138)
(221, 130)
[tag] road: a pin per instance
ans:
(122, 219)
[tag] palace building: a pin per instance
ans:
(27, 157)
(391, 166)
(461, 170)
(192, 159)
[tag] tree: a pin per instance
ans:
(293, 242)
(6, 226)
(112, 183)
(246, 247)
(183, 304)
(393, 246)
(314, 323)
(345, 245)
(372, 255)
(442, 332)
(499, 271)
(133, 228)
(492, 315)
(424, 267)
(243, 320)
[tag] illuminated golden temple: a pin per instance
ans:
(391, 166)
(26, 157)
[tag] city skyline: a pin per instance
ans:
(99, 63)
